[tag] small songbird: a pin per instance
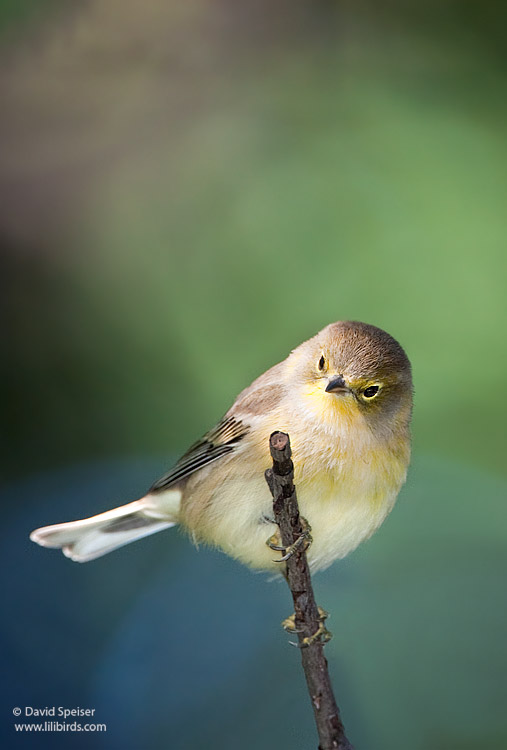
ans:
(344, 397)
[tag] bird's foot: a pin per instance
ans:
(305, 538)
(321, 635)
(289, 625)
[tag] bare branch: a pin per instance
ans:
(309, 620)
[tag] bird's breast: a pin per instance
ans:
(346, 485)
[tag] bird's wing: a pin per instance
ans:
(261, 397)
(219, 441)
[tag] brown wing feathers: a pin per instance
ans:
(219, 441)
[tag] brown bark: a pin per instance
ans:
(308, 619)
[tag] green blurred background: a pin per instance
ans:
(188, 192)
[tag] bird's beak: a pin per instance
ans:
(336, 384)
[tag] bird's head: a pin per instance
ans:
(354, 369)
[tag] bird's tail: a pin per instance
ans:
(92, 537)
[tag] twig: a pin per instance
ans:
(308, 619)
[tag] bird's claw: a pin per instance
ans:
(321, 635)
(304, 538)
(289, 625)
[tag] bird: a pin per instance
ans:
(345, 398)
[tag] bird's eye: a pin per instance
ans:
(371, 391)
(322, 362)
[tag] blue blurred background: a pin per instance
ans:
(175, 178)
